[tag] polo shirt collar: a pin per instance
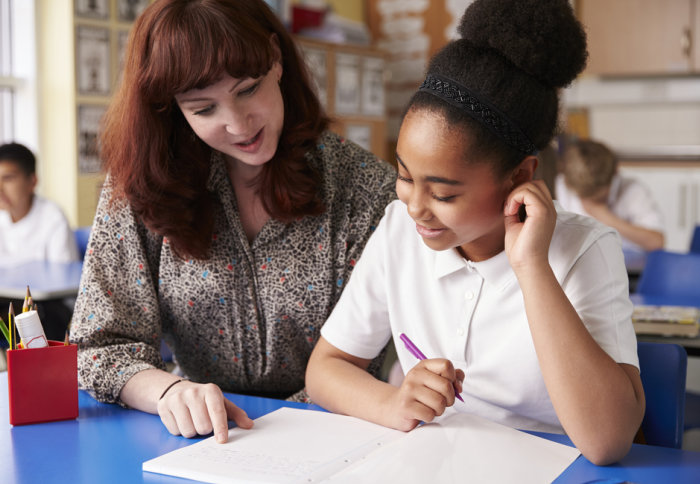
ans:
(496, 271)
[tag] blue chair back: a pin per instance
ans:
(671, 274)
(663, 369)
(82, 235)
(695, 241)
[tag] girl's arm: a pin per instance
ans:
(599, 402)
(340, 383)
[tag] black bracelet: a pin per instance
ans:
(170, 386)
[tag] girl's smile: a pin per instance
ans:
(456, 202)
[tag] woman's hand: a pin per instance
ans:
(527, 242)
(425, 393)
(190, 409)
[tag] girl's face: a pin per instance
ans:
(455, 202)
(241, 118)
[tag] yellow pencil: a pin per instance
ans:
(25, 305)
(11, 323)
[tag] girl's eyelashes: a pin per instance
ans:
(436, 197)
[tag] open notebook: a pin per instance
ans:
(307, 446)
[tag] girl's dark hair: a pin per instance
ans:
(515, 55)
(153, 158)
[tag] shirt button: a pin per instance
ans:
(460, 332)
(469, 295)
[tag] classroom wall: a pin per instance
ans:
(57, 117)
(640, 113)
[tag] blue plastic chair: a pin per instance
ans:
(82, 235)
(695, 241)
(671, 274)
(663, 369)
(675, 279)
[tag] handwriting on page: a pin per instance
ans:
(255, 462)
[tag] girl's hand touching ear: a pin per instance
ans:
(527, 242)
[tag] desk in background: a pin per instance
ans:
(108, 444)
(46, 280)
(691, 345)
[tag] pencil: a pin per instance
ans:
(25, 305)
(413, 349)
(11, 322)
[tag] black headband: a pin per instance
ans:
(459, 96)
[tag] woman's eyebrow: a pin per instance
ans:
(205, 98)
(429, 178)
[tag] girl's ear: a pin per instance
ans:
(525, 171)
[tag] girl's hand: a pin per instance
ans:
(425, 393)
(190, 409)
(527, 242)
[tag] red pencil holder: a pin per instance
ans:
(43, 383)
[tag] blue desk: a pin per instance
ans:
(46, 280)
(691, 345)
(108, 444)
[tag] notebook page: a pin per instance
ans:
(461, 447)
(286, 446)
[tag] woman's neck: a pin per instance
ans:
(246, 186)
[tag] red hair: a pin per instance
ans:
(153, 158)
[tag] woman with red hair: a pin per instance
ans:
(229, 223)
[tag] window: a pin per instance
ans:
(18, 88)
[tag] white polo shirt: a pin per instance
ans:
(473, 313)
(42, 235)
(628, 199)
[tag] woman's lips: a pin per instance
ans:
(427, 232)
(251, 145)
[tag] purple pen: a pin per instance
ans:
(413, 349)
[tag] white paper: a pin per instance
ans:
(285, 446)
(463, 448)
(291, 445)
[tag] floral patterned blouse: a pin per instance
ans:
(247, 318)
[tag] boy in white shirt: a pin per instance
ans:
(32, 228)
(591, 185)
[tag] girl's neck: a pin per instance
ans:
(484, 248)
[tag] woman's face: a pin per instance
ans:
(241, 118)
(456, 203)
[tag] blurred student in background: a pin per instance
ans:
(590, 184)
(32, 229)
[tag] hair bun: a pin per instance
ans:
(541, 37)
